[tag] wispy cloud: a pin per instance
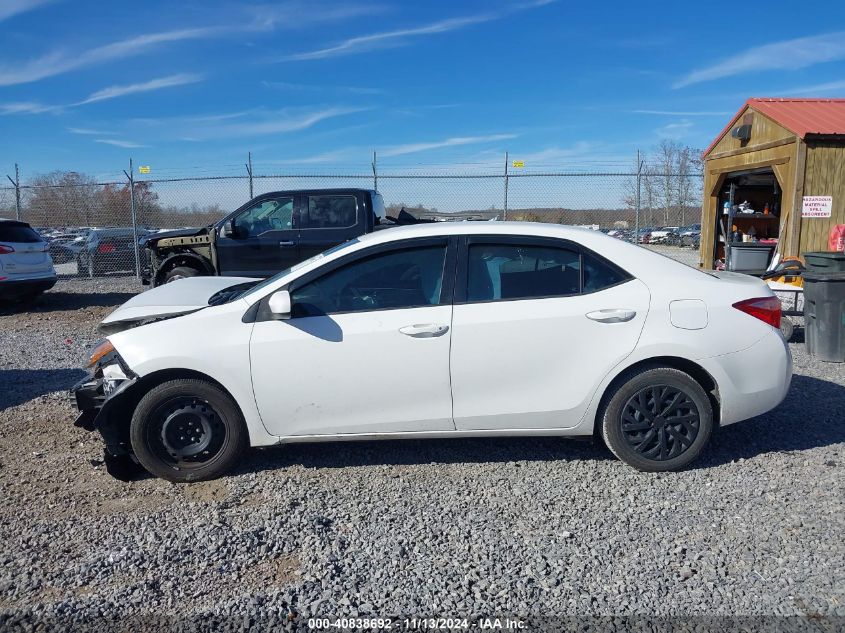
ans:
(683, 113)
(300, 13)
(256, 122)
(399, 37)
(11, 8)
(413, 148)
(675, 130)
(556, 155)
(60, 61)
(817, 90)
(88, 131)
(26, 107)
(261, 18)
(279, 122)
(113, 92)
(118, 143)
(284, 85)
(787, 55)
(385, 39)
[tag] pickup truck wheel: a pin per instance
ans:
(180, 272)
(659, 420)
(187, 430)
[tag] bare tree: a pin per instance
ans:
(62, 198)
(670, 185)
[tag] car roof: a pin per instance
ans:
(620, 251)
(10, 222)
(318, 190)
(434, 229)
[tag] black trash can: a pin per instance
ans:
(826, 261)
(824, 315)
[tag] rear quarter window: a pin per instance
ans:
(18, 234)
(599, 274)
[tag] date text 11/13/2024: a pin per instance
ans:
(417, 624)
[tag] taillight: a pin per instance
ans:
(5, 249)
(106, 248)
(767, 309)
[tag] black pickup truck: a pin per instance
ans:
(269, 233)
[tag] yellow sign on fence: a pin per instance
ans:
(144, 169)
(518, 164)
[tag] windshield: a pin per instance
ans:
(294, 268)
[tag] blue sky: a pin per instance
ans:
(190, 87)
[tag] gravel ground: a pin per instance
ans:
(427, 528)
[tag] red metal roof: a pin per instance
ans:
(803, 117)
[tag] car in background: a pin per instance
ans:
(644, 235)
(690, 235)
(108, 250)
(508, 329)
(26, 269)
(64, 247)
(663, 234)
(267, 234)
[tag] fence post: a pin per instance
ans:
(637, 204)
(505, 214)
(17, 183)
(249, 173)
(375, 172)
(131, 177)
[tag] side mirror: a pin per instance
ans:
(280, 304)
(227, 229)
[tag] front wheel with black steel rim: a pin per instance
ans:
(187, 430)
(658, 420)
(180, 272)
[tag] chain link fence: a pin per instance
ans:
(93, 227)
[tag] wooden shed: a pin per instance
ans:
(774, 180)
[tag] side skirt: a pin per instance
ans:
(422, 435)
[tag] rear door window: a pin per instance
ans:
(331, 212)
(17, 234)
(510, 271)
(500, 272)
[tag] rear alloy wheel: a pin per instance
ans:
(187, 430)
(659, 420)
(180, 272)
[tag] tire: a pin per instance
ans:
(180, 272)
(169, 412)
(787, 328)
(632, 431)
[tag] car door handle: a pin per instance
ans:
(424, 330)
(611, 316)
(287, 243)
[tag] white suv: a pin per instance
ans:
(26, 268)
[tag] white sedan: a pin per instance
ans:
(439, 330)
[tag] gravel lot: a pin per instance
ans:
(426, 528)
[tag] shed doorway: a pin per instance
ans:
(749, 220)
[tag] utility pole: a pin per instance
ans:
(249, 173)
(637, 209)
(375, 171)
(131, 177)
(17, 183)
(505, 214)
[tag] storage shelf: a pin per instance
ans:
(754, 216)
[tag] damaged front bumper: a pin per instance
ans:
(105, 399)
